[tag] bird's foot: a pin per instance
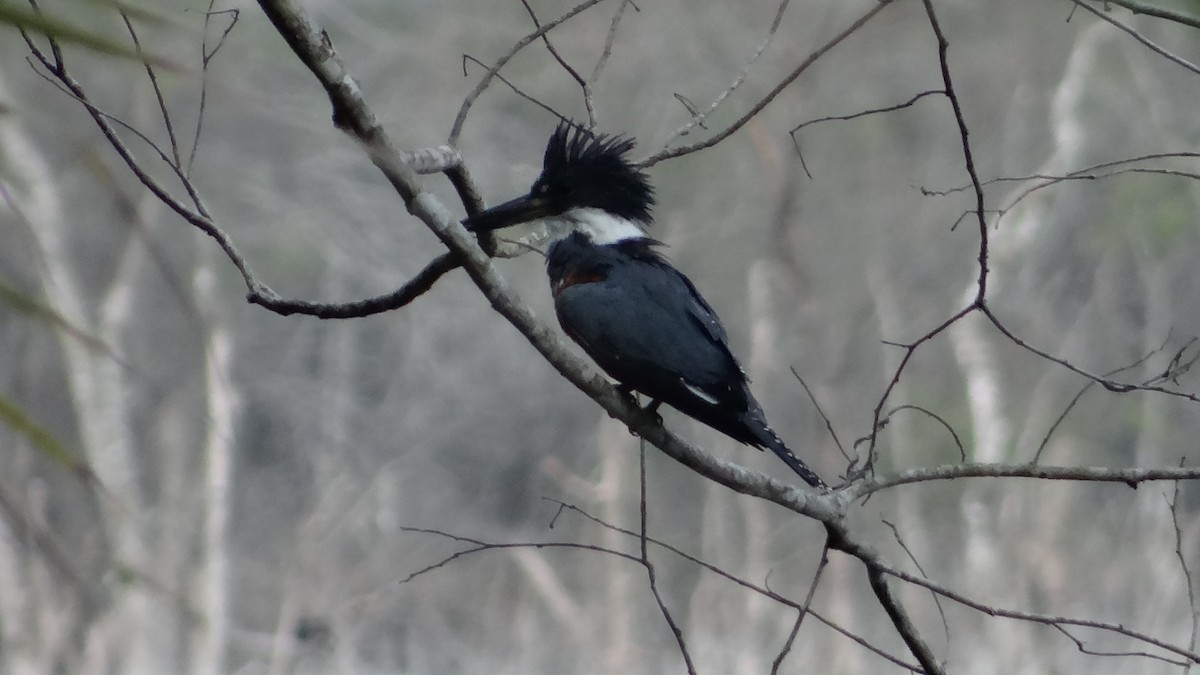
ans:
(652, 409)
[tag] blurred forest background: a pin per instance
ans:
(189, 483)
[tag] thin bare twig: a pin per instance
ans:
(651, 574)
(1032, 617)
(206, 56)
(761, 590)
(913, 558)
(1184, 567)
(1084, 649)
(1037, 455)
(981, 280)
(909, 350)
(486, 80)
(1109, 384)
(258, 293)
(698, 116)
(1139, 37)
(800, 614)
(1092, 173)
(816, 404)
(158, 94)
(877, 571)
(588, 103)
(863, 113)
(413, 289)
(479, 546)
(1062, 416)
(1086, 173)
(516, 90)
(1138, 7)
(611, 38)
(1131, 477)
(968, 155)
(667, 153)
(962, 452)
(199, 217)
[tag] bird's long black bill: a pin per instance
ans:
(519, 210)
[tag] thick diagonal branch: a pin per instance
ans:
(352, 115)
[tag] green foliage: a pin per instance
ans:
(1152, 209)
(45, 442)
(36, 21)
(48, 316)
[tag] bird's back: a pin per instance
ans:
(643, 323)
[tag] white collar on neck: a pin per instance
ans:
(602, 227)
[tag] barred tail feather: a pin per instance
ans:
(772, 441)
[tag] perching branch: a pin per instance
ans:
(1131, 477)
(353, 116)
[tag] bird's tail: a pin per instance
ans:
(767, 438)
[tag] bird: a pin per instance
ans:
(615, 294)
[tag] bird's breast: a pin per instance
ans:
(575, 278)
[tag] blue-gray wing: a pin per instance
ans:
(648, 327)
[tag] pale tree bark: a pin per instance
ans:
(212, 575)
(616, 498)
(736, 529)
(135, 625)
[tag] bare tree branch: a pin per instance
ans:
(206, 56)
(198, 217)
(667, 153)
(828, 423)
(480, 546)
(877, 570)
(164, 113)
(611, 38)
(962, 451)
(352, 115)
(917, 563)
(1185, 568)
(1094, 172)
(968, 155)
(862, 113)
(1131, 477)
(1032, 617)
(1169, 374)
(1139, 37)
(588, 103)
(415, 288)
(812, 591)
(651, 574)
(1138, 7)
(461, 118)
(698, 116)
(909, 350)
(1037, 455)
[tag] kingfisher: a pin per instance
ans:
(640, 319)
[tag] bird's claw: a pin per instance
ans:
(652, 409)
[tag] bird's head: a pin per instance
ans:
(587, 185)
